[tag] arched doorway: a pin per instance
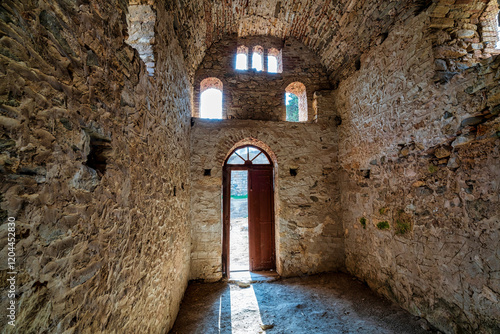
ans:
(260, 185)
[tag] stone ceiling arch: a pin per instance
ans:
(337, 31)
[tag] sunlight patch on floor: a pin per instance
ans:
(245, 312)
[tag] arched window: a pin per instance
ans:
(296, 102)
(497, 46)
(211, 98)
(248, 155)
(274, 61)
(258, 58)
(241, 58)
(489, 30)
(141, 34)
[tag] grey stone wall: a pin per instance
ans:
(309, 236)
(424, 157)
(94, 165)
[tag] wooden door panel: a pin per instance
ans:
(226, 207)
(261, 220)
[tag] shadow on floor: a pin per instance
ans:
(326, 303)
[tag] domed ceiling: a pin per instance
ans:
(338, 31)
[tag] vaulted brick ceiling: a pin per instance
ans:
(338, 31)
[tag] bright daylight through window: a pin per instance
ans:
(272, 64)
(211, 104)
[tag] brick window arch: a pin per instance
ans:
(241, 58)
(211, 98)
(258, 58)
(274, 61)
(489, 28)
(296, 102)
(141, 33)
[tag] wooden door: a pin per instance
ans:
(226, 208)
(260, 219)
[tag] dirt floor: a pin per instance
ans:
(326, 303)
(238, 251)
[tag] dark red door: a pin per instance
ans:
(260, 219)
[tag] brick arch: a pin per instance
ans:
(242, 50)
(211, 82)
(141, 20)
(257, 49)
(299, 89)
(464, 33)
(250, 141)
(203, 83)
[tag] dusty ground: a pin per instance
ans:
(326, 303)
(238, 250)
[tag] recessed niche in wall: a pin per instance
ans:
(100, 150)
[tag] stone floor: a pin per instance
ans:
(258, 303)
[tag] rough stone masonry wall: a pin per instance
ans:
(308, 229)
(463, 33)
(94, 164)
(248, 94)
(420, 187)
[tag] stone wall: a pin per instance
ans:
(94, 165)
(463, 33)
(337, 31)
(248, 94)
(420, 192)
(309, 236)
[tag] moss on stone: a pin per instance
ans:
(362, 220)
(403, 222)
(402, 227)
(384, 225)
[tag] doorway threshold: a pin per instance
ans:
(253, 276)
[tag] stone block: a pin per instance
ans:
(442, 22)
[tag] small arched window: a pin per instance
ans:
(242, 58)
(211, 98)
(274, 62)
(296, 102)
(258, 58)
(497, 46)
(248, 155)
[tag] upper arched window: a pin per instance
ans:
(242, 58)
(248, 155)
(258, 58)
(488, 32)
(274, 62)
(296, 102)
(211, 98)
(497, 46)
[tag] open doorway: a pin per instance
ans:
(251, 248)
(238, 254)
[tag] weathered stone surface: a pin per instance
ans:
(339, 32)
(436, 269)
(104, 233)
(440, 65)
(309, 235)
(464, 33)
(449, 52)
(96, 252)
(141, 23)
(248, 94)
